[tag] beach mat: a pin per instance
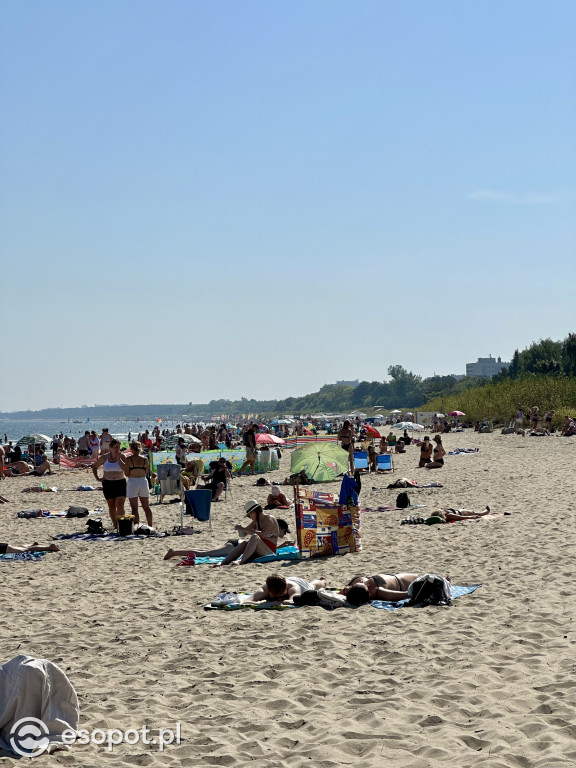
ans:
(107, 537)
(52, 514)
(12, 556)
(285, 553)
(455, 591)
(239, 601)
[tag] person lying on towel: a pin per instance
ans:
(228, 547)
(454, 515)
(282, 589)
(382, 586)
(11, 549)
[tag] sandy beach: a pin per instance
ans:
(489, 681)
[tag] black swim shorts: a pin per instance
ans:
(113, 489)
(3, 547)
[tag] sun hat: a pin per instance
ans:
(250, 505)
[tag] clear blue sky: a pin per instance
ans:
(224, 199)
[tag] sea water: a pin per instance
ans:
(16, 429)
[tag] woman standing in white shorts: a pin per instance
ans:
(136, 468)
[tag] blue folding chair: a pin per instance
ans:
(198, 504)
(384, 462)
(360, 460)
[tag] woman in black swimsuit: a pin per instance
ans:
(346, 436)
(438, 455)
(136, 468)
(381, 586)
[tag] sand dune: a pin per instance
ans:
(489, 681)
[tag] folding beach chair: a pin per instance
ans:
(384, 462)
(198, 504)
(360, 460)
(169, 480)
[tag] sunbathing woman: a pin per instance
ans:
(425, 452)
(438, 455)
(381, 586)
(276, 499)
(455, 515)
(10, 549)
(19, 468)
(263, 532)
(225, 550)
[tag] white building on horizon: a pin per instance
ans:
(486, 367)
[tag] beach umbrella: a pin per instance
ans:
(321, 461)
(262, 438)
(190, 438)
(456, 413)
(372, 431)
(395, 411)
(408, 425)
(34, 438)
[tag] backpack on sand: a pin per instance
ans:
(429, 589)
(402, 500)
(95, 527)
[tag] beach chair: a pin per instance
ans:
(169, 480)
(384, 462)
(361, 460)
(198, 504)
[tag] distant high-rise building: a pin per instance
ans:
(486, 367)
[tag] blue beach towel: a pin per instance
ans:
(107, 537)
(285, 553)
(22, 556)
(237, 601)
(454, 591)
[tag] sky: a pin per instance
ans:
(220, 200)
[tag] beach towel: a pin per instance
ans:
(284, 553)
(21, 556)
(455, 591)
(35, 688)
(108, 537)
(460, 451)
(39, 489)
(348, 491)
(50, 513)
(233, 601)
(75, 462)
(406, 482)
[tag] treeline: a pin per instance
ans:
(404, 390)
(498, 401)
(544, 357)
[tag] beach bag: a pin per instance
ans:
(402, 500)
(429, 589)
(73, 511)
(95, 527)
